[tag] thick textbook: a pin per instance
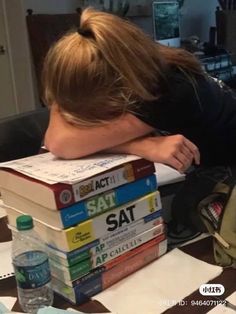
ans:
(105, 276)
(75, 237)
(83, 210)
(55, 183)
(106, 242)
(68, 274)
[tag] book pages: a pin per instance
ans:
(50, 169)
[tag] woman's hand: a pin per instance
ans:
(174, 150)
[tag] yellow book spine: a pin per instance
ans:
(80, 235)
(98, 226)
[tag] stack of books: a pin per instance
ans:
(99, 216)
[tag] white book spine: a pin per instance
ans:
(106, 242)
(75, 237)
(128, 245)
(63, 273)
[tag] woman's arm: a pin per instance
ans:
(174, 150)
(68, 141)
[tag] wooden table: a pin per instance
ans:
(201, 250)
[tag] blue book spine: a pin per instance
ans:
(103, 202)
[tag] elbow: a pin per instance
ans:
(58, 147)
(57, 151)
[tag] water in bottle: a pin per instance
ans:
(31, 267)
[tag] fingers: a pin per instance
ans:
(193, 150)
(175, 163)
(187, 152)
(185, 161)
(180, 162)
(184, 154)
(173, 150)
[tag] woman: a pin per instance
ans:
(110, 87)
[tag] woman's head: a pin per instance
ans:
(104, 69)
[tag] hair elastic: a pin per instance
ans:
(85, 33)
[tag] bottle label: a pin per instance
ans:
(37, 272)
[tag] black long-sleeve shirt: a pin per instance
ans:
(204, 112)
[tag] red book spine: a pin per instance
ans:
(61, 195)
(143, 168)
(97, 281)
(130, 265)
(133, 252)
(66, 195)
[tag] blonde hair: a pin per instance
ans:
(106, 68)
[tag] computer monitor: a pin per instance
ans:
(166, 22)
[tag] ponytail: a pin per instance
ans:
(106, 67)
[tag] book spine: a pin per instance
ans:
(126, 173)
(129, 266)
(103, 202)
(108, 241)
(103, 279)
(68, 274)
(103, 257)
(88, 231)
(118, 260)
(135, 251)
(95, 228)
(73, 257)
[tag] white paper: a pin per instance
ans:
(221, 309)
(8, 302)
(166, 175)
(198, 238)
(159, 286)
(54, 310)
(47, 168)
(73, 310)
(6, 269)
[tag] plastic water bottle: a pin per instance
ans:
(31, 266)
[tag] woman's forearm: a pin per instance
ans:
(68, 141)
(133, 147)
(174, 150)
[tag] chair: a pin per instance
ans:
(22, 135)
(44, 30)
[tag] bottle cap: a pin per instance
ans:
(24, 222)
